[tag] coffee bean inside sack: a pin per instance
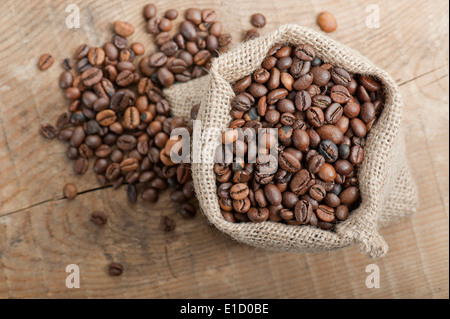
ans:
(296, 140)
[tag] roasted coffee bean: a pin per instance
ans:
(258, 20)
(126, 142)
(315, 116)
(341, 212)
(356, 155)
(80, 166)
(70, 191)
(327, 173)
(327, 22)
(334, 113)
(303, 212)
(340, 94)
(303, 101)
(332, 200)
(329, 151)
(106, 117)
(239, 191)
(289, 162)
(325, 213)
(91, 76)
(321, 76)
(48, 131)
(45, 62)
(343, 167)
(300, 183)
(258, 215)
(317, 192)
(99, 218)
(305, 52)
(349, 195)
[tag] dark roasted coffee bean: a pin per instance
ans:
(356, 155)
(321, 76)
(303, 212)
(340, 77)
(341, 212)
(303, 101)
(48, 131)
(258, 20)
(305, 52)
(126, 142)
(239, 191)
(315, 116)
(327, 173)
(99, 218)
(300, 182)
(349, 195)
(258, 215)
(316, 163)
(317, 192)
(334, 113)
(329, 151)
(80, 166)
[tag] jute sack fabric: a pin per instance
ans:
(387, 188)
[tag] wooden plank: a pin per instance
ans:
(40, 233)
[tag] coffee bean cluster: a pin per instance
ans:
(322, 114)
(188, 53)
(118, 118)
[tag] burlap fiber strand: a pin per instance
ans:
(388, 191)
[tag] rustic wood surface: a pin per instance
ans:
(41, 233)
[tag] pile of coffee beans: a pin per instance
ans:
(187, 54)
(118, 118)
(322, 115)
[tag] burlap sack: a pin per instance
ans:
(387, 189)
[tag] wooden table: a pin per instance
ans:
(41, 233)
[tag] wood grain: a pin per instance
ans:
(41, 233)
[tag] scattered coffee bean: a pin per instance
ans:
(70, 190)
(99, 218)
(327, 22)
(45, 62)
(115, 269)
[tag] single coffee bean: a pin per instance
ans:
(106, 117)
(349, 195)
(258, 215)
(356, 155)
(332, 200)
(91, 77)
(258, 20)
(327, 22)
(300, 183)
(303, 212)
(70, 190)
(45, 62)
(115, 269)
(325, 213)
(305, 52)
(99, 218)
(340, 94)
(239, 191)
(329, 151)
(327, 173)
(341, 212)
(81, 165)
(166, 224)
(317, 192)
(48, 131)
